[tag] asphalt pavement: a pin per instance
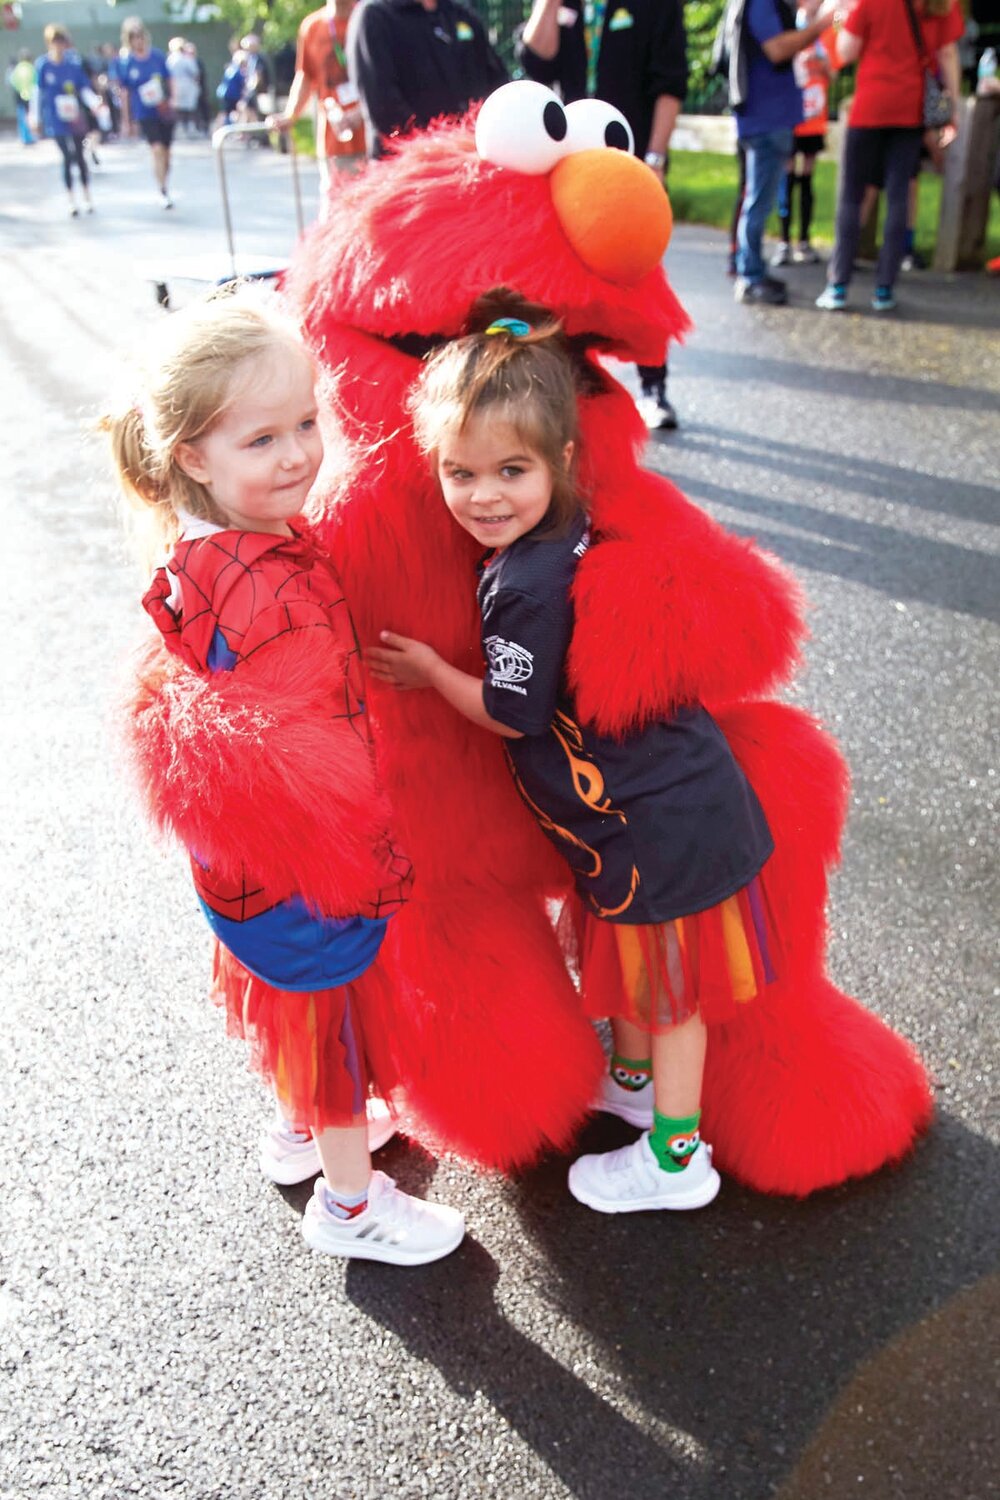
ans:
(163, 1329)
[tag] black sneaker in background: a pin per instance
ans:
(768, 292)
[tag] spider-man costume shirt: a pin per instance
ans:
(222, 596)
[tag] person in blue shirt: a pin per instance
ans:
(761, 40)
(147, 99)
(62, 89)
(232, 88)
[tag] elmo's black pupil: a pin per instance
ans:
(616, 135)
(554, 120)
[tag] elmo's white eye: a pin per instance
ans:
(594, 123)
(522, 126)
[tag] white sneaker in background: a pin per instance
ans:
(633, 1105)
(289, 1156)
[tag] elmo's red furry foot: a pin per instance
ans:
(808, 1089)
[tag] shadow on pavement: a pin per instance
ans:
(845, 471)
(901, 564)
(753, 369)
(725, 1337)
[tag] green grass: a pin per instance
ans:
(703, 186)
(305, 135)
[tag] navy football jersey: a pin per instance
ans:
(658, 826)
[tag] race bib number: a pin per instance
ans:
(813, 101)
(67, 108)
(346, 95)
(151, 92)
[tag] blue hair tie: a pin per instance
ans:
(516, 327)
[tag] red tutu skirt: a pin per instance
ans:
(658, 975)
(321, 1052)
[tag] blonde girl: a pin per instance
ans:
(255, 751)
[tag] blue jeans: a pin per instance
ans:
(767, 155)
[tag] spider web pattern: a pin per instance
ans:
(252, 589)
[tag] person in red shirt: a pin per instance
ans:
(321, 74)
(886, 126)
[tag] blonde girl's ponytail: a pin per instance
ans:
(144, 484)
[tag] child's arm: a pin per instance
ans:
(405, 663)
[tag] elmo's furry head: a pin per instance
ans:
(413, 240)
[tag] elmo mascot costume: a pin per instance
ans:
(804, 1088)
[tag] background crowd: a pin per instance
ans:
(369, 70)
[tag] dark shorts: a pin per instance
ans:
(809, 145)
(156, 131)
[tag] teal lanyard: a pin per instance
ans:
(338, 50)
(593, 20)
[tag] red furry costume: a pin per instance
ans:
(805, 1088)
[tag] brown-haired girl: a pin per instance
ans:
(663, 834)
(258, 754)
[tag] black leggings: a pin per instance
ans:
(804, 183)
(71, 147)
(888, 156)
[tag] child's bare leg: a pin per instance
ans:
(667, 1167)
(630, 1040)
(678, 1068)
(346, 1160)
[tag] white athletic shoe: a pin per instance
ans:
(633, 1105)
(288, 1156)
(395, 1228)
(624, 1181)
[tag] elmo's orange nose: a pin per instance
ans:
(614, 212)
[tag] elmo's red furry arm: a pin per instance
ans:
(672, 609)
(249, 769)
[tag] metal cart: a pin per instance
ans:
(208, 269)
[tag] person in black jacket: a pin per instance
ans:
(412, 60)
(634, 57)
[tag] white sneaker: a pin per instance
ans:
(396, 1228)
(656, 411)
(288, 1156)
(624, 1181)
(633, 1105)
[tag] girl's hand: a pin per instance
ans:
(401, 662)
